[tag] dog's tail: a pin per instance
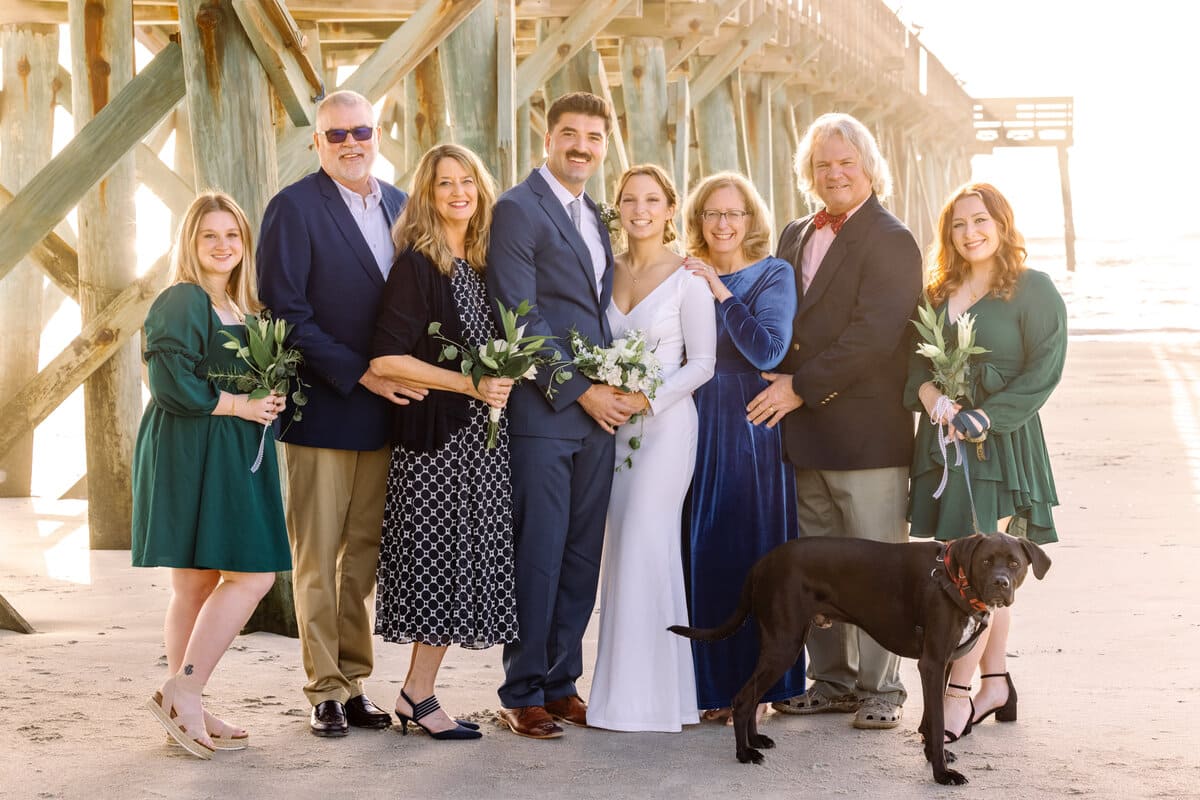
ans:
(726, 628)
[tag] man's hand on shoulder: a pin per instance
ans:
(775, 402)
(395, 391)
(609, 406)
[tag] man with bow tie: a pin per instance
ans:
(838, 391)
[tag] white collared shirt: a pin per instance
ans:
(817, 246)
(589, 224)
(372, 222)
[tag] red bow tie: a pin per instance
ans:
(824, 218)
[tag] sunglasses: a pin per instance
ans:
(338, 135)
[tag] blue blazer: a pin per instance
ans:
(536, 254)
(316, 271)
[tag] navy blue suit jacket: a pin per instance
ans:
(316, 271)
(536, 254)
(849, 352)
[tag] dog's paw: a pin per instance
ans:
(765, 742)
(950, 777)
(750, 756)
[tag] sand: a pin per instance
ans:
(1103, 654)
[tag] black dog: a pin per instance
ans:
(928, 601)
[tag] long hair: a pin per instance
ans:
(421, 227)
(185, 266)
(948, 270)
(667, 185)
(853, 133)
(757, 243)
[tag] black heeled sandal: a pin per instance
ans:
(466, 723)
(424, 709)
(951, 736)
(1007, 712)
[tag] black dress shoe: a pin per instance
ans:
(362, 713)
(329, 719)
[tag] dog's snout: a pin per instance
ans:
(1003, 581)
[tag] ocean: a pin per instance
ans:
(1142, 289)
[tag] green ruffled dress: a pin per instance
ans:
(195, 502)
(1027, 342)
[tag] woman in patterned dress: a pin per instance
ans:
(445, 562)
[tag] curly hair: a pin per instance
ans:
(948, 270)
(185, 265)
(757, 243)
(420, 226)
(670, 194)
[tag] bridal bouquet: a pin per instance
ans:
(628, 365)
(951, 373)
(513, 355)
(271, 366)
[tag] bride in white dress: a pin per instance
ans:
(644, 680)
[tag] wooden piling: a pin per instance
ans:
(469, 78)
(30, 69)
(644, 78)
(1064, 177)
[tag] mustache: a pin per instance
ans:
(579, 154)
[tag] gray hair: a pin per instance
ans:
(853, 133)
(344, 98)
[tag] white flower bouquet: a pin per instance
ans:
(513, 355)
(628, 365)
(951, 365)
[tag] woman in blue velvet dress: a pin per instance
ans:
(743, 500)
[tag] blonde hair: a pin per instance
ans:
(948, 270)
(757, 243)
(660, 177)
(185, 265)
(853, 133)
(421, 227)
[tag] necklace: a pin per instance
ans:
(632, 275)
(975, 295)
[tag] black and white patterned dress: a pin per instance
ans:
(446, 556)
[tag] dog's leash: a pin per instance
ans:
(962, 459)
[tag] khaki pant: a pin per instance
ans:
(855, 504)
(334, 519)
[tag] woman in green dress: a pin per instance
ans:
(1020, 318)
(197, 507)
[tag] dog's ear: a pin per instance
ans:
(964, 549)
(1037, 558)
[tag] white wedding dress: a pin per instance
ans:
(644, 679)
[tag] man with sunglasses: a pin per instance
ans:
(323, 255)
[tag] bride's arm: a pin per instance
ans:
(699, 323)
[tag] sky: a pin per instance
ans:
(1132, 69)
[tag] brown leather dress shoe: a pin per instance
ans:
(530, 721)
(569, 709)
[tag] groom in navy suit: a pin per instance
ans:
(323, 254)
(548, 246)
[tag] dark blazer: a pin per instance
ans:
(536, 254)
(848, 356)
(417, 294)
(316, 271)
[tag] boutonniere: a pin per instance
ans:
(612, 222)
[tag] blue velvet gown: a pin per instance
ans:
(743, 500)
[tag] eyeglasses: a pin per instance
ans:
(338, 135)
(733, 217)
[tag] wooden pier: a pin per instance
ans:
(698, 87)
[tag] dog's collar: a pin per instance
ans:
(953, 580)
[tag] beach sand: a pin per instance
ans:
(1102, 654)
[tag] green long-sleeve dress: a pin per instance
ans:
(195, 502)
(1026, 337)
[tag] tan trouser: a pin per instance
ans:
(856, 504)
(334, 519)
